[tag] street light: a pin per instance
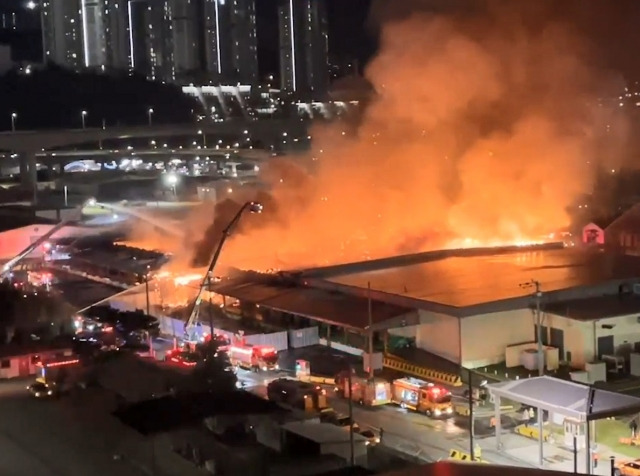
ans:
(171, 179)
(83, 114)
(541, 357)
(14, 116)
(149, 114)
(204, 138)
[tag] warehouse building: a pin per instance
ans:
(475, 304)
(473, 307)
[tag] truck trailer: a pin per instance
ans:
(296, 394)
(369, 392)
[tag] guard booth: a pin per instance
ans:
(574, 429)
(580, 404)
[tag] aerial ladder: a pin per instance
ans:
(13, 262)
(193, 327)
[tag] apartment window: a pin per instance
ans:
(5, 364)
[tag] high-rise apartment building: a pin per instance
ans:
(186, 36)
(230, 45)
(63, 33)
(151, 39)
(116, 34)
(93, 33)
(304, 66)
(161, 39)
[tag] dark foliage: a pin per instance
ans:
(171, 413)
(124, 321)
(24, 314)
(55, 97)
(213, 372)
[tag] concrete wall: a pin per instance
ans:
(485, 337)
(578, 338)
(438, 334)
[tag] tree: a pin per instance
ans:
(213, 373)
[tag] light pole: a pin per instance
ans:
(14, 116)
(204, 138)
(150, 115)
(83, 114)
(172, 180)
(538, 297)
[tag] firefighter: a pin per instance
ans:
(477, 453)
(525, 417)
(595, 456)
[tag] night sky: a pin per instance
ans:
(612, 26)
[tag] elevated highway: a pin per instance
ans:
(37, 141)
(27, 144)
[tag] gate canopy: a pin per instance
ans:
(567, 398)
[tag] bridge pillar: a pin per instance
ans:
(29, 173)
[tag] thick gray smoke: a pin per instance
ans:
(484, 129)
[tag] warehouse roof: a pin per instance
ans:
(599, 307)
(317, 304)
(461, 278)
(566, 398)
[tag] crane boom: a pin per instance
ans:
(29, 249)
(254, 207)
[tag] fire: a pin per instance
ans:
(185, 280)
(483, 141)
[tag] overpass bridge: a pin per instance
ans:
(29, 143)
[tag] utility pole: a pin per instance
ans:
(538, 318)
(538, 296)
(472, 426)
(370, 336)
(352, 458)
(210, 309)
(146, 289)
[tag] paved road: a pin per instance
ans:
(408, 432)
(411, 433)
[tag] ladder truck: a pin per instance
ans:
(192, 328)
(13, 262)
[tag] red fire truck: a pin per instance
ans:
(254, 357)
(423, 397)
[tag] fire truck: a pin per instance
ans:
(254, 357)
(59, 374)
(364, 391)
(181, 357)
(423, 397)
(223, 343)
(291, 392)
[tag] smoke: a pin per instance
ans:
(483, 130)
